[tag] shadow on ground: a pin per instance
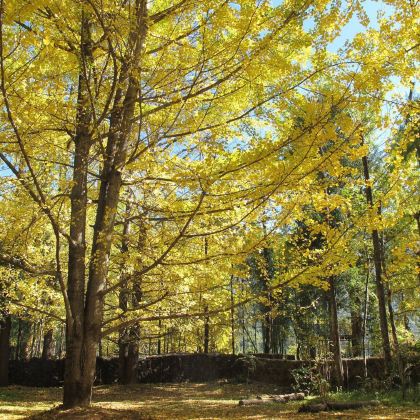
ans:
(174, 401)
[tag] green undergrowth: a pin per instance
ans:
(392, 398)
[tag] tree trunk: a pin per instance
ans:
(84, 329)
(232, 315)
(206, 330)
(365, 314)
(335, 334)
(267, 323)
(25, 340)
(356, 332)
(5, 328)
(129, 356)
(47, 348)
(380, 290)
(266, 333)
(76, 390)
(129, 336)
(159, 342)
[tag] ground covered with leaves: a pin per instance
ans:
(186, 401)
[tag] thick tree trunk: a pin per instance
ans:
(75, 387)
(82, 341)
(5, 328)
(380, 290)
(47, 348)
(335, 334)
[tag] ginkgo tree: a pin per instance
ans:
(147, 138)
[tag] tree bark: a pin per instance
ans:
(47, 348)
(380, 290)
(206, 330)
(84, 329)
(26, 338)
(76, 390)
(267, 323)
(356, 332)
(232, 315)
(335, 334)
(365, 314)
(128, 352)
(5, 328)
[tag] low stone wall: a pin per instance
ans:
(36, 372)
(203, 368)
(195, 368)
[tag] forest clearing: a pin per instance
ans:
(209, 209)
(180, 401)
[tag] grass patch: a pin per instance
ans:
(392, 398)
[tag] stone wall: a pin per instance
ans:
(195, 368)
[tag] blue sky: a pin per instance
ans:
(354, 26)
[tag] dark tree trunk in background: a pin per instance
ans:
(232, 315)
(334, 333)
(159, 342)
(365, 314)
(267, 333)
(129, 356)
(206, 308)
(26, 339)
(128, 353)
(356, 332)
(266, 277)
(128, 350)
(5, 328)
(206, 330)
(380, 289)
(47, 348)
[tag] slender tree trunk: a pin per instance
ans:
(31, 352)
(18, 340)
(267, 333)
(356, 332)
(380, 290)
(47, 348)
(206, 330)
(159, 342)
(129, 336)
(267, 329)
(26, 340)
(365, 313)
(5, 328)
(396, 347)
(232, 315)
(334, 333)
(124, 338)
